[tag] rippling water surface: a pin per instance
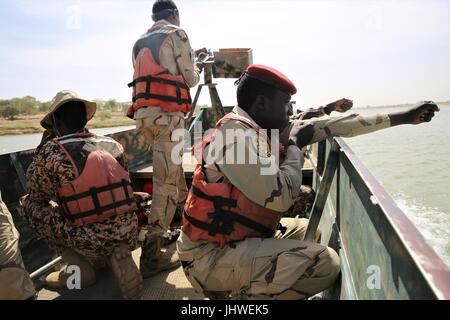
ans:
(413, 164)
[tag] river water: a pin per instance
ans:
(412, 163)
(16, 143)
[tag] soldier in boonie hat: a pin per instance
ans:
(62, 98)
(68, 113)
(80, 183)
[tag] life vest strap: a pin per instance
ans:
(159, 80)
(225, 228)
(122, 184)
(148, 95)
(222, 220)
(220, 201)
(160, 97)
(100, 210)
(93, 192)
(212, 229)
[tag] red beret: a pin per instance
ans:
(272, 77)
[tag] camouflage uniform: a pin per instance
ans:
(15, 282)
(50, 170)
(283, 267)
(157, 126)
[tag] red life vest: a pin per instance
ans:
(102, 187)
(153, 85)
(220, 212)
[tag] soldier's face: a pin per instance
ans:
(279, 111)
(272, 112)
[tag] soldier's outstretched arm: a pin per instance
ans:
(342, 105)
(422, 112)
(355, 124)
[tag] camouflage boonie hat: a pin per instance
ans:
(62, 98)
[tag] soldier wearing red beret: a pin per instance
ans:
(234, 239)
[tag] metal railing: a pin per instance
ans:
(364, 224)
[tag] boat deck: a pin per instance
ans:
(169, 285)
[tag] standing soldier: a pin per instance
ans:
(15, 282)
(80, 198)
(164, 70)
(232, 240)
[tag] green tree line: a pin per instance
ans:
(12, 108)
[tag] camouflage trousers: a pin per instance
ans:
(94, 241)
(15, 282)
(282, 267)
(169, 184)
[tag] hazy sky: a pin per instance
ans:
(375, 52)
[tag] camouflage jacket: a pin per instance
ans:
(177, 56)
(50, 170)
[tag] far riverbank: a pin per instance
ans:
(31, 124)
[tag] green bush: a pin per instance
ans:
(9, 112)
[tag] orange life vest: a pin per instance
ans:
(153, 85)
(220, 212)
(102, 187)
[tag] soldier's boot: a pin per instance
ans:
(59, 278)
(126, 272)
(153, 260)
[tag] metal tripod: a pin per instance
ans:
(216, 105)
